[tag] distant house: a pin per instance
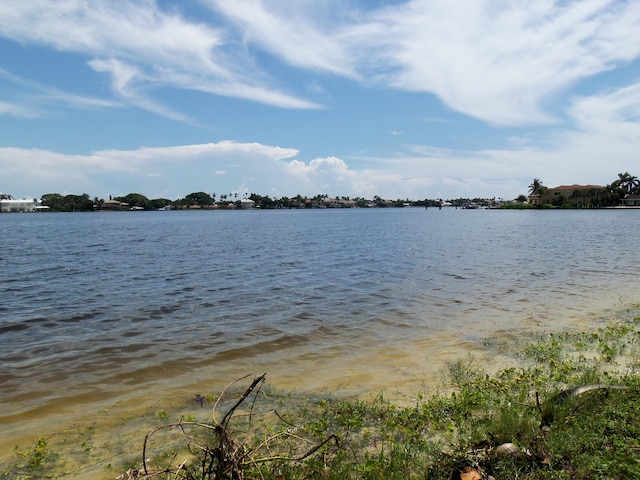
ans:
(23, 205)
(247, 204)
(630, 201)
(533, 199)
(332, 203)
(113, 205)
(580, 195)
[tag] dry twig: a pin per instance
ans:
(224, 457)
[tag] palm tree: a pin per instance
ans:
(535, 186)
(627, 183)
(535, 189)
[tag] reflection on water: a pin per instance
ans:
(135, 308)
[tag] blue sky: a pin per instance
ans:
(402, 99)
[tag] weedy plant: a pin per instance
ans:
(33, 462)
(36, 457)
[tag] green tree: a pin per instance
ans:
(560, 200)
(158, 203)
(136, 200)
(262, 201)
(627, 183)
(78, 203)
(282, 202)
(54, 201)
(68, 203)
(199, 198)
(535, 186)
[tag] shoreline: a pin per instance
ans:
(399, 377)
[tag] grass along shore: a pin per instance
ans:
(568, 410)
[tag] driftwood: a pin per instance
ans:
(549, 410)
(222, 457)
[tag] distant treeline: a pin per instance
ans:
(201, 200)
(610, 195)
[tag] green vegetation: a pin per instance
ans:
(576, 196)
(536, 187)
(610, 195)
(625, 184)
(67, 203)
(36, 457)
(568, 410)
(33, 462)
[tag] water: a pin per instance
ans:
(97, 309)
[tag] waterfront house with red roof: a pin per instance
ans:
(580, 195)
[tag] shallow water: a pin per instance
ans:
(107, 310)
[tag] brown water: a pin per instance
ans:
(106, 319)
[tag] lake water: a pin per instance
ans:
(138, 308)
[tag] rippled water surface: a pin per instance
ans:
(97, 308)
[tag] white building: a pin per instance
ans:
(22, 205)
(247, 204)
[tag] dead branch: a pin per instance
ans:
(256, 381)
(226, 457)
(221, 396)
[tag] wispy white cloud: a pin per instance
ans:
(617, 108)
(133, 30)
(494, 61)
(141, 47)
(302, 34)
(18, 111)
(36, 100)
(606, 133)
(499, 62)
(125, 82)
